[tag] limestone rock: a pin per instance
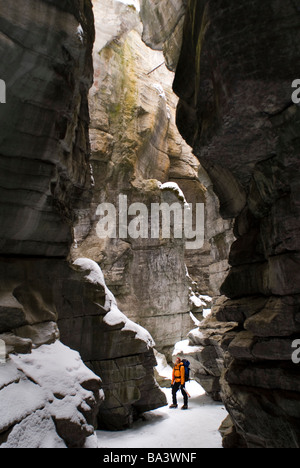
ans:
(231, 439)
(124, 359)
(45, 182)
(39, 334)
(16, 344)
(279, 317)
(46, 187)
(12, 313)
(135, 147)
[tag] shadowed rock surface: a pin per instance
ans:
(234, 80)
(45, 196)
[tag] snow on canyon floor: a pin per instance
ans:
(166, 428)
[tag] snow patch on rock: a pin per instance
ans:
(175, 188)
(43, 387)
(114, 316)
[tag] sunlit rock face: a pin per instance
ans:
(234, 80)
(163, 30)
(136, 147)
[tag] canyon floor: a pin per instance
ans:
(165, 428)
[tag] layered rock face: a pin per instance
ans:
(110, 344)
(136, 148)
(45, 181)
(234, 81)
(45, 175)
(46, 191)
(163, 30)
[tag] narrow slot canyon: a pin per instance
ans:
(150, 210)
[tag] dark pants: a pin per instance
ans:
(175, 389)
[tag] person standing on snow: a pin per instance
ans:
(178, 383)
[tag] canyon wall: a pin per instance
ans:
(163, 30)
(234, 77)
(47, 68)
(46, 192)
(136, 148)
(59, 312)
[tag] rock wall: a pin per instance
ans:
(136, 147)
(163, 30)
(44, 184)
(205, 348)
(234, 80)
(110, 344)
(46, 191)
(162, 27)
(47, 68)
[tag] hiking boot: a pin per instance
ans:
(173, 406)
(185, 407)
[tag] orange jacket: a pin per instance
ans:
(178, 374)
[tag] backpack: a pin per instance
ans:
(186, 364)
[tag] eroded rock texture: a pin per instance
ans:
(44, 184)
(45, 177)
(46, 191)
(136, 147)
(162, 27)
(234, 78)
